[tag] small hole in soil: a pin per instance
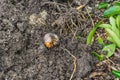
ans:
(18, 52)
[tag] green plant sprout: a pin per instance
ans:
(100, 57)
(114, 10)
(103, 5)
(113, 33)
(92, 32)
(112, 29)
(116, 73)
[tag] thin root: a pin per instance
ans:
(90, 18)
(74, 63)
(80, 7)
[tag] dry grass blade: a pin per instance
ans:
(75, 60)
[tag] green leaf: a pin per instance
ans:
(114, 37)
(114, 26)
(110, 49)
(118, 22)
(105, 26)
(92, 32)
(100, 41)
(116, 3)
(98, 56)
(90, 35)
(116, 73)
(112, 21)
(103, 5)
(110, 39)
(114, 10)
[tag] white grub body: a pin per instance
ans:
(50, 40)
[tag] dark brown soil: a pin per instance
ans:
(23, 55)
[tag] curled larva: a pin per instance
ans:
(50, 40)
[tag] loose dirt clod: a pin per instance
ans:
(38, 18)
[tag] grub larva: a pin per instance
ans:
(50, 40)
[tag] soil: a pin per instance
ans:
(23, 56)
